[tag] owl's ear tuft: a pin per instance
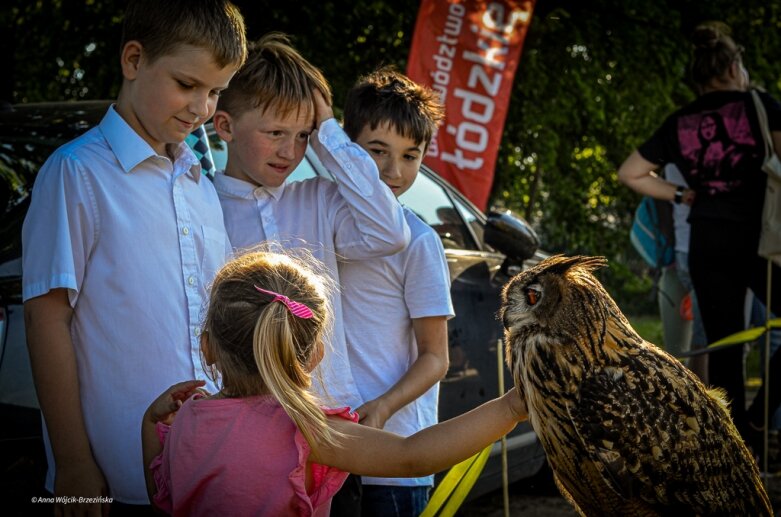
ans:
(560, 264)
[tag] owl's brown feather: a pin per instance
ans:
(627, 429)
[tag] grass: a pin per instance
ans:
(649, 328)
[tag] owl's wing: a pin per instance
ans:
(654, 433)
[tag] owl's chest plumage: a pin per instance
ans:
(552, 377)
(550, 382)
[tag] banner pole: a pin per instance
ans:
(768, 301)
(505, 477)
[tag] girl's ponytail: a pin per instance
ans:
(284, 369)
(262, 341)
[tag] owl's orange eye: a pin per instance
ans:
(532, 296)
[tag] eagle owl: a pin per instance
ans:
(627, 429)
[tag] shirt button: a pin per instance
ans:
(186, 230)
(197, 331)
(191, 280)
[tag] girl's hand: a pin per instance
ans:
(164, 408)
(516, 404)
(323, 110)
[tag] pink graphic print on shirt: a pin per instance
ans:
(717, 146)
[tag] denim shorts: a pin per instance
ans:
(394, 501)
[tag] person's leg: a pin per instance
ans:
(699, 363)
(394, 501)
(756, 413)
(719, 266)
(758, 284)
(676, 328)
(758, 317)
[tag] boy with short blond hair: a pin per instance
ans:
(276, 104)
(122, 236)
(397, 307)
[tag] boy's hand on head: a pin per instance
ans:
(323, 110)
(164, 408)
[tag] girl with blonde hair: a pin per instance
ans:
(263, 445)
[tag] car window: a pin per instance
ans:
(19, 162)
(471, 218)
(220, 155)
(430, 202)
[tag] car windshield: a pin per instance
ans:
(431, 203)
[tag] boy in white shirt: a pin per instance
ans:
(121, 237)
(266, 116)
(396, 307)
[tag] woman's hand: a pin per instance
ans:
(688, 197)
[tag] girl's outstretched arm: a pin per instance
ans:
(373, 452)
(163, 409)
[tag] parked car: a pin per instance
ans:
(482, 251)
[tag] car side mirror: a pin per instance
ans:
(511, 235)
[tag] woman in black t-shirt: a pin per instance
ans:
(716, 143)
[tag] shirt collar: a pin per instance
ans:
(185, 158)
(130, 149)
(243, 189)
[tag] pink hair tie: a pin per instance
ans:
(299, 310)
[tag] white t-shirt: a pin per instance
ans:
(356, 217)
(381, 297)
(135, 239)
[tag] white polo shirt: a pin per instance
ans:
(356, 217)
(381, 297)
(135, 239)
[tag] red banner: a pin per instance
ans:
(468, 51)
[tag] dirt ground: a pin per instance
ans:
(539, 498)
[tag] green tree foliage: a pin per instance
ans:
(59, 50)
(595, 79)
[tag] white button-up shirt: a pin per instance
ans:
(356, 217)
(135, 239)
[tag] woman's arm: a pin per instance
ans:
(374, 452)
(638, 174)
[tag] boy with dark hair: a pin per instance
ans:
(122, 237)
(277, 103)
(398, 347)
